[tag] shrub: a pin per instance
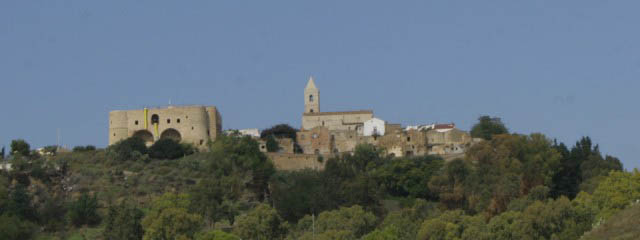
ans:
(129, 149)
(169, 149)
(21, 147)
(87, 148)
(83, 211)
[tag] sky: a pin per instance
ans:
(566, 69)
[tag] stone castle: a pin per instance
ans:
(322, 133)
(196, 125)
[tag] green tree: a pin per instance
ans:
(616, 192)
(169, 218)
(262, 222)
(487, 127)
(168, 149)
(13, 227)
(582, 168)
(298, 193)
(454, 225)
(272, 144)
(240, 156)
(216, 235)
(409, 176)
(123, 222)
(387, 233)
(20, 203)
(344, 223)
(217, 199)
(2, 153)
(129, 149)
(280, 131)
(84, 211)
(406, 222)
(555, 219)
(20, 146)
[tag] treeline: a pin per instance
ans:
(509, 186)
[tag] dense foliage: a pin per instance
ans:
(508, 187)
(487, 127)
(279, 131)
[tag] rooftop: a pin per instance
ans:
(339, 113)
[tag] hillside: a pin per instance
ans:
(507, 187)
(621, 226)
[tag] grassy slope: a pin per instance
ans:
(623, 225)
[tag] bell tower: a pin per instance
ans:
(311, 97)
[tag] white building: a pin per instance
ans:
(252, 132)
(374, 126)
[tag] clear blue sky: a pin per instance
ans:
(563, 68)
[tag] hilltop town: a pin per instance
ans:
(323, 133)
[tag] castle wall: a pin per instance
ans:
(118, 129)
(195, 124)
(293, 162)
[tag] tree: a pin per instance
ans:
(13, 227)
(405, 223)
(216, 199)
(272, 144)
(128, 149)
(2, 153)
(616, 192)
(262, 222)
(216, 235)
(20, 146)
(83, 211)
(343, 223)
(20, 204)
(409, 176)
(87, 148)
(487, 127)
(167, 149)
(581, 168)
(169, 218)
(123, 222)
(240, 155)
(454, 225)
(280, 131)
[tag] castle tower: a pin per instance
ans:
(311, 97)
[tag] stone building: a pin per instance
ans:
(313, 117)
(187, 124)
(327, 133)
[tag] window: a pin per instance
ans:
(311, 110)
(323, 123)
(317, 151)
(310, 98)
(208, 134)
(178, 120)
(408, 139)
(136, 122)
(314, 136)
(302, 136)
(168, 120)
(114, 134)
(155, 119)
(201, 141)
(191, 127)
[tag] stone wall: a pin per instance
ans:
(293, 162)
(336, 120)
